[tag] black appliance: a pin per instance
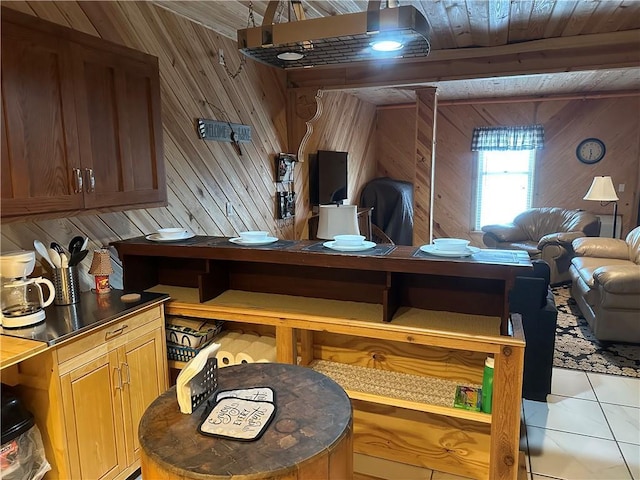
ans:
(328, 177)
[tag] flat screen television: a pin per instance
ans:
(327, 177)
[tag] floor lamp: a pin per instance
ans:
(602, 191)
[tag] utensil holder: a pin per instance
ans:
(67, 285)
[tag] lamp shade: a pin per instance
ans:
(337, 220)
(101, 263)
(602, 190)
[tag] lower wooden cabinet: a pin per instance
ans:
(98, 388)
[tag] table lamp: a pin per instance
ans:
(337, 220)
(602, 191)
(101, 268)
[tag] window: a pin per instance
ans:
(506, 160)
(505, 185)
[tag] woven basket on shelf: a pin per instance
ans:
(182, 353)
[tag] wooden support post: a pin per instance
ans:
(286, 345)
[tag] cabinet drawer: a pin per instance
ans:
(111, 335)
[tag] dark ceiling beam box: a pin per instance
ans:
(564, 54)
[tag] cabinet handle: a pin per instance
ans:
(79, 184)
(119, 385)
(128, 380)
(115, 332)
(90, 179)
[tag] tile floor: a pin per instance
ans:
(589, 429)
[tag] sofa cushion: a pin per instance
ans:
(586, 266)
(604, 248)
(621, 279)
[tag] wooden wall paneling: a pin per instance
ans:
(239, 169)
(259, 163)
(616, 122)
(76, 17)
(20, 6)
(50, 11)
(104, 17)
(205, 83)
(425, 140)
(454, 161)
(395, 142)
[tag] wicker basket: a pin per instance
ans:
(191, 332)
(182, 353)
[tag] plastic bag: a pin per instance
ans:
(23, 457)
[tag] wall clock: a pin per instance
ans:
(590, 150)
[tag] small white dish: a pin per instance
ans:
(451, 244)
(266, 241)
(172, 233)
(431, 249)
(349, 240)
(366, 245)
(155, 237)
(254, 236)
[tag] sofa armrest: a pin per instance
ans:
(561, 238)
(507, 232)
(601, 247)
(622, 279)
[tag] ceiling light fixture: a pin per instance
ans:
(337, 39)
(386, 45)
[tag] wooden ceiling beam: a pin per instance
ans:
(563, 54)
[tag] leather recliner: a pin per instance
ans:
(545, 233)
(605, 276)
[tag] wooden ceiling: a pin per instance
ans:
(471, 25)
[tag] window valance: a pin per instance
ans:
(519, 137)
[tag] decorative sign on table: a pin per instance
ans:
(238, 419)
(221, 131)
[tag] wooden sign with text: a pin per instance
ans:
(221, 131)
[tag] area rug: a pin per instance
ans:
(577, 348)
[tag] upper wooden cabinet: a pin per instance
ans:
(81, 127)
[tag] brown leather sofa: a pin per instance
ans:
(606, 285)
(545, 233)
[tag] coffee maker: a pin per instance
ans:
(21, 298)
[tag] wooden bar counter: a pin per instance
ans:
(397, 328)
(399, 276)
(310, 435)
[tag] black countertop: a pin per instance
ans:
(63, 322)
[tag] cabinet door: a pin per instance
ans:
(145, 378)
(39, 137)
(92, 399)
(120, 130)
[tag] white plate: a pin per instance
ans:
(155, 237)
(444, 253)
(266, 241)
(349, 248)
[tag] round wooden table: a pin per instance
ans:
(310, 435)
